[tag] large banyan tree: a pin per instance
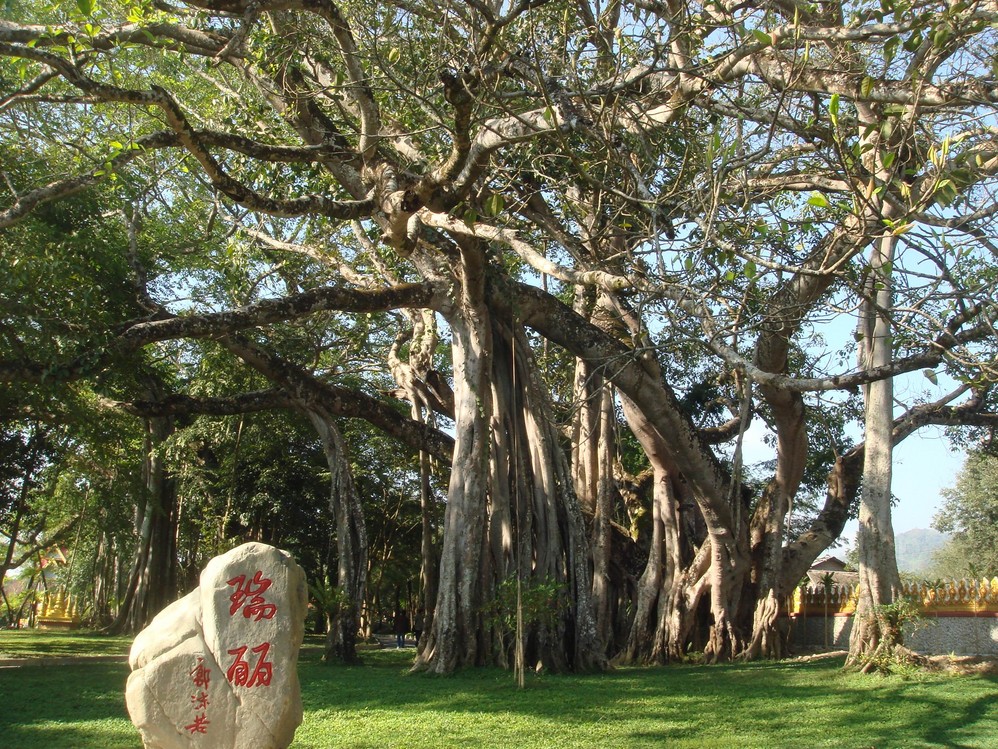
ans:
(565, 253)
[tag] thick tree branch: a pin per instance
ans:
(336, 400)
(602, 279)
(360, 89)
(215, 325)
(325, 299)
(624, 368)
(154, 141)
(188, 138)
(240, 193)
(935, 353)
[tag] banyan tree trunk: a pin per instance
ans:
(429, 564)
(719, 570)
(151, 580)
(512, 513)
(873, 633)
(104, 570)
(765, 640)
(654, 610)
(351, 543)
(726, 577)
(678, 611)
(421, 384)
(603, 592)
(769, 519)
(560, 552)
(454, 640)
(658, 594)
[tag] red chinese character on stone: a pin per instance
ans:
(200, 724)
(201, 674)
(200, 700)
(239, 673)
(248, 596)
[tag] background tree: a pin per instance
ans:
(24, 523)
(970, 514)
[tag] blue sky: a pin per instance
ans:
(924, 465)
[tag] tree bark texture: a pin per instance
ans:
(455, 639)
(878, 572)
(152, 575)
(351, 543)
(515, 517)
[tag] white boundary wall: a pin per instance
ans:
(933, 635)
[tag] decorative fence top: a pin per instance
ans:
(940, 598)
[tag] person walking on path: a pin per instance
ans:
(401, 627)
(418, 624)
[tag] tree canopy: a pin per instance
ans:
(562, 254)
(970, 513)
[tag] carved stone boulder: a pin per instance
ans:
(218, 668)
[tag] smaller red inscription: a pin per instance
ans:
(200, 701)
(200, 724)
(200, 677)
(201, 674)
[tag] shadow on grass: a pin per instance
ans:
(379, 704)
(765, 704)
(66, 706)
(105, 735)
(29, 643)
(981, 711)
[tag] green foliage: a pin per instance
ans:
(67, 281)
(904, 610)
(903, 615)
(542, 603)
(16, 604)
(261, 475)
(970, 513)
(387, 480)
(328, 598)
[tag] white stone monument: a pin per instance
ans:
(218, 668)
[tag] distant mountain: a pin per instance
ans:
(916, 547)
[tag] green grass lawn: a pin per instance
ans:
(769, 705)
(34, 643)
